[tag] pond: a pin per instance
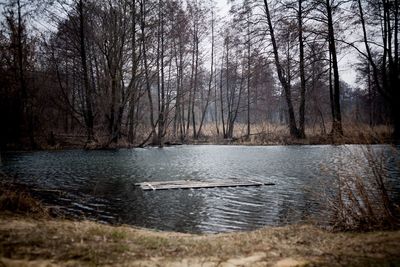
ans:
(99, 184)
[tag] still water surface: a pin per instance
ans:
(100, 184)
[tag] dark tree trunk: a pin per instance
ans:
(222, 101)
(25, 103)
(203, 114)
(294, 132)
(248, 74)
(146, 67)
(302, 73)
(88, 113)
(337, 129)
(161, 82)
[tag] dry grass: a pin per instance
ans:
(16, 198)
(261, 134)
(25, 241)
(364, 134)
(278, 134)
(360, 199)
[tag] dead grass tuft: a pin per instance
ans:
(361, 200)
(64, 243)
(15, 198)
(263, 133)
(278, 134)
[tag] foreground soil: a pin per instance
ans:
(25, 241)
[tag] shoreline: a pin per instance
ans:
(28, 241)
(301, 142)
(261, 136)
(32, 234)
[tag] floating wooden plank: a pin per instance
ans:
(188, 184)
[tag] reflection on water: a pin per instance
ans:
(100, 184)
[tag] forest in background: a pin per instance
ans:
(118, 73)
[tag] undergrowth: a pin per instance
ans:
(361, 199)
(16, 198)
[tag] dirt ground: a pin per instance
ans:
(26, 241)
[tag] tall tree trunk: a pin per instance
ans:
(181, 94)
(228, 95)
(211, 77)
(26, 104)
(375, 71)
(395, 74)
(191, 90)
(161, 83)
(248, 73)
(221, 98)
(337, 129)
(302, 72)
(89, 117)
(146, 67)
(294, 132)
(216, 104)
(134, 95)
(235, 111)
(195, 85)
(177, 102)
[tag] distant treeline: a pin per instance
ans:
(145, 71)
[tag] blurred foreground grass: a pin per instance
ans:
(50, 242)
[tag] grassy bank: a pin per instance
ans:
(26, 241)
(34, 235)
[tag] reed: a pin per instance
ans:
(361, 199)
(16, 199)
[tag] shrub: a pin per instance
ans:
(16, 199)
(361, 200)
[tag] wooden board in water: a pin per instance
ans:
(186, 184)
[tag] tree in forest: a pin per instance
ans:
(379, 21)
(232, 81)
(211, 71)
(283, 76)
(17, 55)
(243, 20)
(118, 72)
(323, 14)
(335, 92)
(88, 110)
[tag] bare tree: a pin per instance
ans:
(294, 132)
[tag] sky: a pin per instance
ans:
(223, 6)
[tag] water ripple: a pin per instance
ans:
(100, 184)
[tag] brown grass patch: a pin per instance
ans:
(358, 198)
(261, 134)
(278, 134)
(66, 243)
(16, 198)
